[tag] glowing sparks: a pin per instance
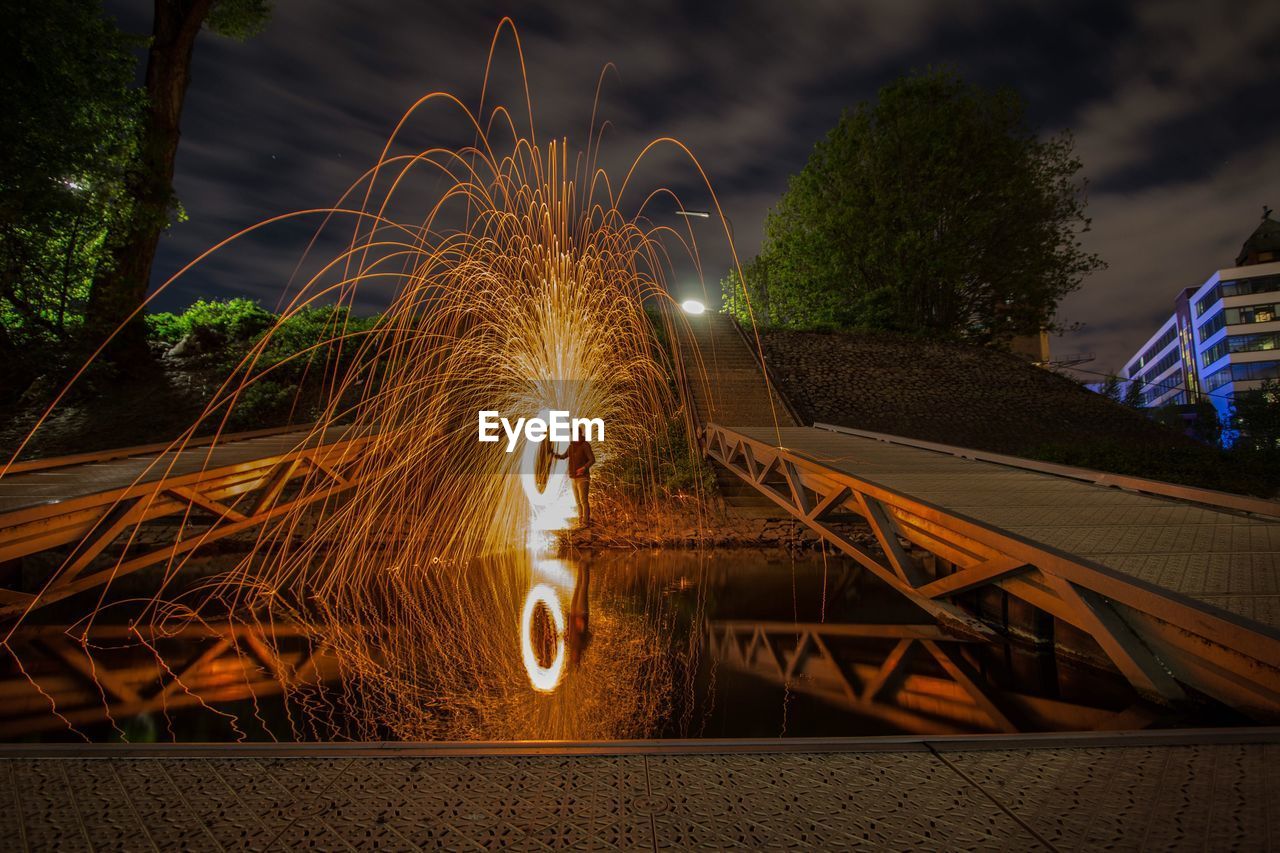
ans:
(517, 283)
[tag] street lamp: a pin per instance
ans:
(697, 307)
(704, 214)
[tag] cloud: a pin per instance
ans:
(1170, 101)
(1160, 240)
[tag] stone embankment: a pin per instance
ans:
(722, 530)
(954, 394)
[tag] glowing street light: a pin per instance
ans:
(704, 214)
(693, 306)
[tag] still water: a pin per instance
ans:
(710, 644)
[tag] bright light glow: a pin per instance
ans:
(543, 678)
(693, 306)
(554, 507)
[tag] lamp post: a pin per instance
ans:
(704, 214)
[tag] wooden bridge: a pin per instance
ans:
(1179, 587)
(76, 508)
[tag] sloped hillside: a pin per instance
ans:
(989, 400)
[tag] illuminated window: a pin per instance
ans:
(1250, 314)
(1252, 343)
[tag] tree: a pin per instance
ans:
(1133, 394)
(1256, 416)
(933, 210)
(71, 114)
(1111, 387)
(122, 285)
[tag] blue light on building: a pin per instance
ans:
(1223, 336)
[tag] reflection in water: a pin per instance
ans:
(545, 632)
(609, 647)
(542, 641)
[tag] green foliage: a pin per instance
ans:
(1256, 418)
(1205, 424)
(68, 136)
(311, 336)
(230, 320)
(299, 352)
(239, 19)
(933, 210)
(293, 355)
(671, 464)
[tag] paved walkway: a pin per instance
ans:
(1220, 558)
(60, 483)
(1160, 793)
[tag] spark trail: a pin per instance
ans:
(520, 286)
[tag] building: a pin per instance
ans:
(1223, 336)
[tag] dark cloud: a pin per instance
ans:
(1172, 104)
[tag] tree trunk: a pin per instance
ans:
(122, 286)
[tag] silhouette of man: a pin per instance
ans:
(581, 457)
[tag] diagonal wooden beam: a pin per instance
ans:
(768, 468)
(834, 499)
(952, 661)
(798, 494)
(79, 660)
(886, 532)
(750, 458)
(276, 483)
(193, 497)
(113, 523)
(179, 681)
(1121, 643)
(848, 681)
(889, 676)
(974, 576)
(798, 656)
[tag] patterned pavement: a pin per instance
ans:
(1158, 794)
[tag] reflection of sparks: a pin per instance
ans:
(549, 573)
(543, 678)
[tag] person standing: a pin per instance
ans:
(581, 457)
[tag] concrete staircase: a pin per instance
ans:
(728, 387)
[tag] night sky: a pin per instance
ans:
(1174, 106)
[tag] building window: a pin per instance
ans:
(1251, 314)
(1255, 370)
(1154, 391)
(1204, 303)
(1215, 352)
(1212, 325)
(1252, 343)
(1155, 349)
(1162, 365)
(1217, 379)
(1250, 286)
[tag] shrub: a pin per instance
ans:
(229, 320)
